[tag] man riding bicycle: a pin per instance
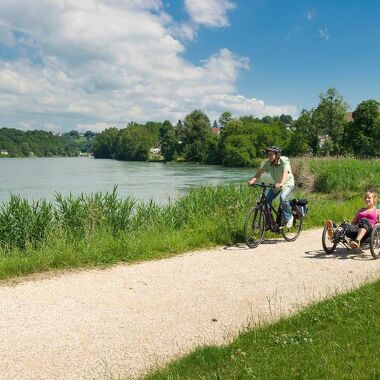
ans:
(279, 168)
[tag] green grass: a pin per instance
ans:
(100, 229)
(338, 175)
(335, 339)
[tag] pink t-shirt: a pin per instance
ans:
(371, 216)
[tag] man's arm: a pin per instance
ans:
(257, 175)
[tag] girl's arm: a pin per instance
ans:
(378, 216)
(355, 220)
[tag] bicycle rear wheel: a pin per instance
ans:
(254, 227)
(292, 233)
(374, 243)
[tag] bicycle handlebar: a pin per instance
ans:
(264, 185)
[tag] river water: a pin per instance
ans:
(37, 178)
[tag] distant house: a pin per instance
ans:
(323, 139)
(215, 130)
(3, 152)
(349, 117)
(155, 150)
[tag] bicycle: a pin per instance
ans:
(263, 217)
(340, 238)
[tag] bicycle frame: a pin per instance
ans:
(276, 222)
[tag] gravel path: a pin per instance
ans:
(125, 319)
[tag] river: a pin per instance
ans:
(37, 178)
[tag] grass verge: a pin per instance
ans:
(334, 339)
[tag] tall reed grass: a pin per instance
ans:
(23, 223)
(336, 175)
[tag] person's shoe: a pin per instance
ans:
(289, 223)
(355, 243)
(330, 228)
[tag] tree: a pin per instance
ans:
(363, 135)
(89, 134)
(224, 118)
(304, 129)
(286, 119)
(105, 144)
(238, 151)
(298, 144)
(196, 130)
(169, 144)
(74, 134)
(329, 118)
(133, 144)
(165, 127)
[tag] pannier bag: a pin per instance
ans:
(299, 208)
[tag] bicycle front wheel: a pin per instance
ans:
(254, 227)
(292, 233)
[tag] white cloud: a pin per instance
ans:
(311, 13)
(209, 12)
(324, 33)
(91, 64)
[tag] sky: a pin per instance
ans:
(94, 64)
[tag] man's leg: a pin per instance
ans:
(270, 196)
(284, 199)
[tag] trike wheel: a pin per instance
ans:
(292, 233)
(328, 244)
(254, 227)
(374, 243)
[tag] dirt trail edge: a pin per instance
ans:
(128, 318)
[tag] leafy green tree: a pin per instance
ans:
(89, 134)
(243, 140)
(165, 127)
(105, 144)
(224, 118)
(298, 145)
(286, 119)
(74, 134)
(329, 118)
(238, 151)
(169, 145)
(153, 130)
(133, 144)
(304, 129)
(196, 133)
(363, 134)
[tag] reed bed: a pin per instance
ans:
(100, 228)
(339, 175)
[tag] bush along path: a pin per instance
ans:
(127, 319)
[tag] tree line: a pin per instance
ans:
(18, 143)
(328, 129)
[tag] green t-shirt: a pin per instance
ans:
(276, 170)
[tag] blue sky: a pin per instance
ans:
(93, 64)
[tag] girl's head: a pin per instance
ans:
(370, 198)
